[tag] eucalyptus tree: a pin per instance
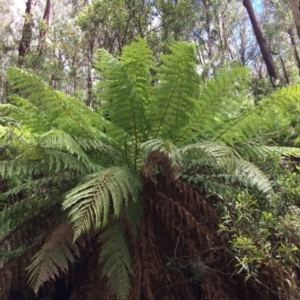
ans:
(271, 67)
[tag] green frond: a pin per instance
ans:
(138, 60)
(101, 193)
(217, 100)
(210, 161)
(62, 111)
(175, 95)
(54, 257)
(259, 119)
(213, 150)
(27, 114)
(135, 213)
(249, 151)
(124, 93)
(116, 259)
(13, 216)
(251, 176)
(58, 181)
(59, 161)
(11, 168)
(58, 139)
(166, 147)
(11, 254)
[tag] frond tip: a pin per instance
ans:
(53, 258)
(91, 202)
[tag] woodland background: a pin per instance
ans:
(222, 31)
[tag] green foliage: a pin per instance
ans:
(176, 93)
(90, 202)
(116, 259)
(156, 119)
(258, 237)
(44, 266)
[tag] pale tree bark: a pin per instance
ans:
(262, 43)
(296, 14)
(26, 38)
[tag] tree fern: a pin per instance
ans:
(162, 122)
(92, 201)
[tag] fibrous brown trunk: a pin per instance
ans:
(262, 42)
(24, 46)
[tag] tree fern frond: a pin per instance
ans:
(252, 176)
(117, 262)
(162, 146)
(259, 119)
(58, 180)
(27, 114)
(249, 151)
(214, 150)
(217, 100)
(61, 140)
(20, 212)
(59, 161)
(91, 202)
(176, 92)
(138, 60)
(10, 168)
(122, 101)
(63, 112)
(135, 212)
(212, 160)
(54, 257)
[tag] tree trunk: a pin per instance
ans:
(43, 35)
(24, 46)
(262, 43)
(286, 76)
(207, 27)
(46, 18)
(296, 14)
(296, 54)
(90, 50)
